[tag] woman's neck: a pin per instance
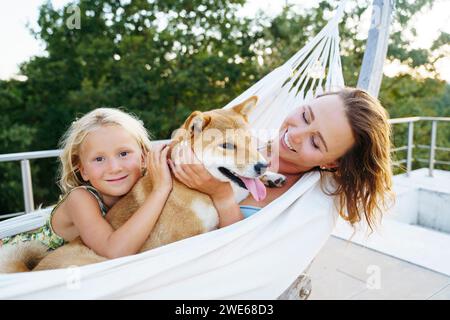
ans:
(287, 168)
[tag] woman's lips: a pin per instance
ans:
(283, 136)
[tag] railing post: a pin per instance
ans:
(410, 147)
(27, 185)
(432, 146)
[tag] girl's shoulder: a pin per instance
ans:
(83, 196)
(76, 199)
(77, 205)
(79, 193)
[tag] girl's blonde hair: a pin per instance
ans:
(69, 175)
(364, 175)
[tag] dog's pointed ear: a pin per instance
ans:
(196, 122)
(247, 106)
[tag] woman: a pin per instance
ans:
(344, 134)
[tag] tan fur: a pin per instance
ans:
(74, 253)
(21, 257)
(177, 221)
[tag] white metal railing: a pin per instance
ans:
(27, 186)
(410, 145)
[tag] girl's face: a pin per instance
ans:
(111, 160)
(314, 134)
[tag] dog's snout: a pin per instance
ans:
(261, 167)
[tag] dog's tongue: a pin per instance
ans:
(256, 188)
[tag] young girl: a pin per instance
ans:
(104, 155)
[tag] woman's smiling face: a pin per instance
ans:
(315, 134)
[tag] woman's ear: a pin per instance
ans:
(330, 166)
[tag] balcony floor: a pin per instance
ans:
(346, 271)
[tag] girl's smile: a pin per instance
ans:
(117, 180)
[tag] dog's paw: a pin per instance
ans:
(273, 180)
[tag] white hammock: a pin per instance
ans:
(257, 258)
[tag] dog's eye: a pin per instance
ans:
(229, 146)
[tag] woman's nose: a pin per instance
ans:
(297, 134)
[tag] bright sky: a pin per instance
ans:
(18, 44)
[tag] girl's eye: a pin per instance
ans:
(228, 146)
(304, 117)
(124, 153)
(99, 159)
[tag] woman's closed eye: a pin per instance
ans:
(304, 117)
(314, 143)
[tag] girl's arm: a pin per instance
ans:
(99, 235)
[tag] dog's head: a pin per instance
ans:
(222, 141)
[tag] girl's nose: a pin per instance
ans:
(114, 165)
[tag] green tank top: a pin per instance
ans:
(46, 234)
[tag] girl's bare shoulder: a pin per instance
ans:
(79, 201)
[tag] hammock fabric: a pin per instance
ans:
(257, 258)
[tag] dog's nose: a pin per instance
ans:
(261, 167)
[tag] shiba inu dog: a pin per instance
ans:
(222, 141)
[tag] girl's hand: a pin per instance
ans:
(158, 168)
(188, 170)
